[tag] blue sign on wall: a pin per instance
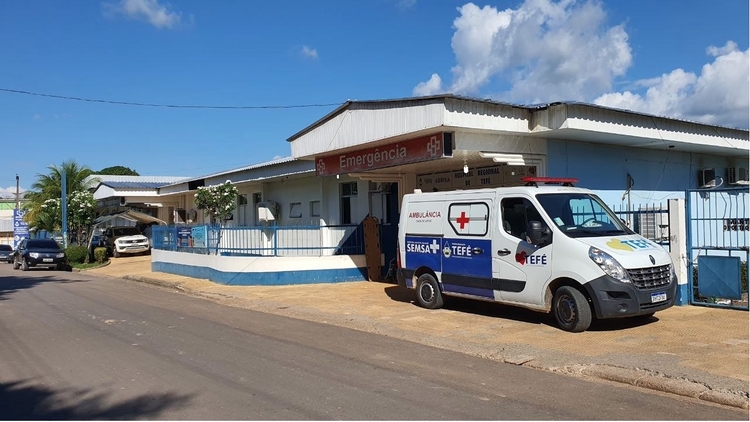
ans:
(20, 227)
(199, 236)
(184, 237)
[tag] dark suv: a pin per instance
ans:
(6, 253)
(39, 252)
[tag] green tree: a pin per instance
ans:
(49, 187)
(81, 212)
(217, 200)
(118, 171)
(49, 217)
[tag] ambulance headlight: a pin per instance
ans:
(609, 265)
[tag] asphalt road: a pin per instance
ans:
(76, 347)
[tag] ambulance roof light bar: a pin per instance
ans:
(534, 181)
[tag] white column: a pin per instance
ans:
(678, 248)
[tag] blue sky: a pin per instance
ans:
(679, 58)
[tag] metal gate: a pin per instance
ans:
(717, 246)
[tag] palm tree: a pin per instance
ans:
(49, 186)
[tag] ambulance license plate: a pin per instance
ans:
(658, 297)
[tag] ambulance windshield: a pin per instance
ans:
(582, 215)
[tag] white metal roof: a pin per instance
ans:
(248, 167)
(134, 179)
(371, 123)
(268, 170)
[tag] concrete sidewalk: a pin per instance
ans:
(691, 351)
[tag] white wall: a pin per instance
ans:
(289, 191)
(248, 220)
(300, 190)
(103, 191)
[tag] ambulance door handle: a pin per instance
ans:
(503, 252)
(477, 251)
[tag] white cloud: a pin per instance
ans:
(542, 50)
(663, 94)
(729, 47)
(719, 95)
(10, 192)
(309, 52)
(547, 50)
(432, 87)
(406, 4)
(158, 15)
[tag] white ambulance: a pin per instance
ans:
(556, 249)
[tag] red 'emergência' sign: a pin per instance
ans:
(415, 150)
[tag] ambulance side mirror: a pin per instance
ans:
(538, 234)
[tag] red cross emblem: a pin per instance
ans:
(462, 220)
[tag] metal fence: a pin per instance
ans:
(718, 228)
(649, 220)
(269, 240)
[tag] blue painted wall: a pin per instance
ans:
(658, 174)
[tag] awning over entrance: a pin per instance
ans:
(135, 216)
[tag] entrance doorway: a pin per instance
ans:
(384, 206)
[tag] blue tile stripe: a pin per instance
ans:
(275, 278)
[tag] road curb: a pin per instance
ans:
(635, 377)
(83, 270)
(154, 281)
(659, 382)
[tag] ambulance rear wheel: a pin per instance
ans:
(571, 309)
(428, 292)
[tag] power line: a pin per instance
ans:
(193, 106)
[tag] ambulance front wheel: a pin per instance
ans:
(428, 292)
(571, 309)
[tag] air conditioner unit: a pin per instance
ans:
(706, 178)
(267, 211)
(737, 175)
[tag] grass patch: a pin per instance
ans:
(89, 266)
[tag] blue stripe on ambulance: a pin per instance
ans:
(467, 266)
(422, 251)
(467, 290)
(463, 269)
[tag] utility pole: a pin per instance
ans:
(18, 194)
(64, 204)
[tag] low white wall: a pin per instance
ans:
(243, 270)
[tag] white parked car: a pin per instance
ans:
(125, 240)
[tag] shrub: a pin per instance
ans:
(100, 255)
(76, 254)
